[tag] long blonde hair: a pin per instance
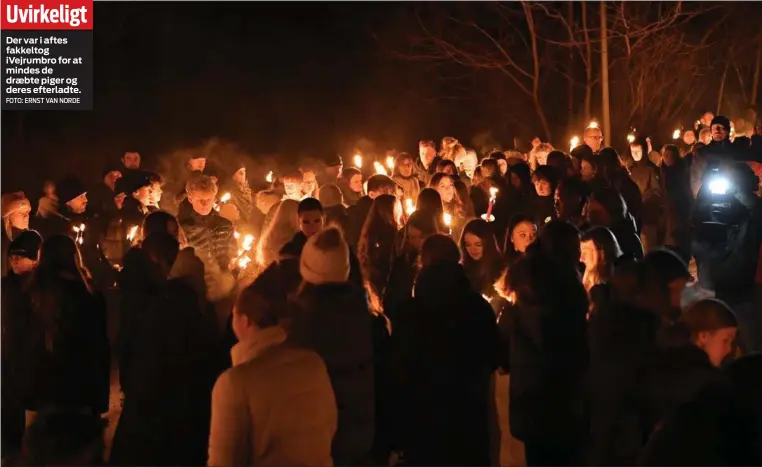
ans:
(279, 232)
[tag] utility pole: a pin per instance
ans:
(605, 76)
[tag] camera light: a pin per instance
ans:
(719, 185)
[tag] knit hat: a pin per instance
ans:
(667, 265)
(26, 245)
(325, 258)
(330, 195)
(720, 120)
(69, 188)
(132, 182)
(14, 202)
(333, 161)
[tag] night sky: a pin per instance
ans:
(287, 79)
(283, 78)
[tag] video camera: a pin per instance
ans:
(719, 207)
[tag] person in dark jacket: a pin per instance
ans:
(720, 425)
(607, 208)
(678, 201)
(570, 200)
(331, 317)
(720, 148)
(67, 355)
(615, 175)
(211, 236)
(549, 350)
(311, 220)
(350, 184)
(377, 185)
(166, 413)
(442, 355)
(542, 205)
(646, 175)
(426, 165)
(23, 254)
(65, 438)
(376, 248)
(482, 259)
(102, 196)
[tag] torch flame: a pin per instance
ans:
(248, 241)
(379, 168)
(409, 206)
(676, 134)
(447, 219)
(236, 235)
(573, 143)
(269, 177)
(225, 198)
(390, 162)
(358, 161)
(81, 227)
(132, 232)
(630, 138)
(593, 124)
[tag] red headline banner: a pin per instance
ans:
(50, 15)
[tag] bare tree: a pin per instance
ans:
(509, 44)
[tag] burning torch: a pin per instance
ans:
(357, 161)
(573, 143)
(380, 170)
(79, 233)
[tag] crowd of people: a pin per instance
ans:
(449, 308)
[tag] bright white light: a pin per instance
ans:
(676, 134)
(269, 177)
(593, 124)
(447, 219)
(719, 185)
(225, 198)
(630, 138)
(358, 161)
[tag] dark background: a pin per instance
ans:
(286, 79)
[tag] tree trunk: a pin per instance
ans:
(605, 76)
(570, 70)
(755, 80)
(588, 66)
(536, 72)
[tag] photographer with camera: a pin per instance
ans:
(727, 234)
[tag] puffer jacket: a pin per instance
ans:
(211, 237)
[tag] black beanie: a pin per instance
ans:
(26, 245)
(111, 167)
(720, 120)
(69, 188)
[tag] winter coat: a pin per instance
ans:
(646, 177)
(424, 174)
(293, 249)
(622, 338)
(170, 373)
(549, 351)
(350, 197)
(101, 199)
(241, 197)
(443, 351)
(74, 372)
(542, 208)
(211, 237)
(720, 425)
(679, 202)
(337, 215)
(16, 328)
(275, 407)
(399, 287)
(6, 244)
(357, 215)
(335, 322)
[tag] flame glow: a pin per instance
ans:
(447, 219)
(676, 134)
(573, 143)
(243, 262)
(390, 162)
(132, 233)
(493, 194)
(630, 138)
(592, 124)
(269, 177)
(409, 206)
(380, 170)
(225, 198)
(357, 161)
(248, 242)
